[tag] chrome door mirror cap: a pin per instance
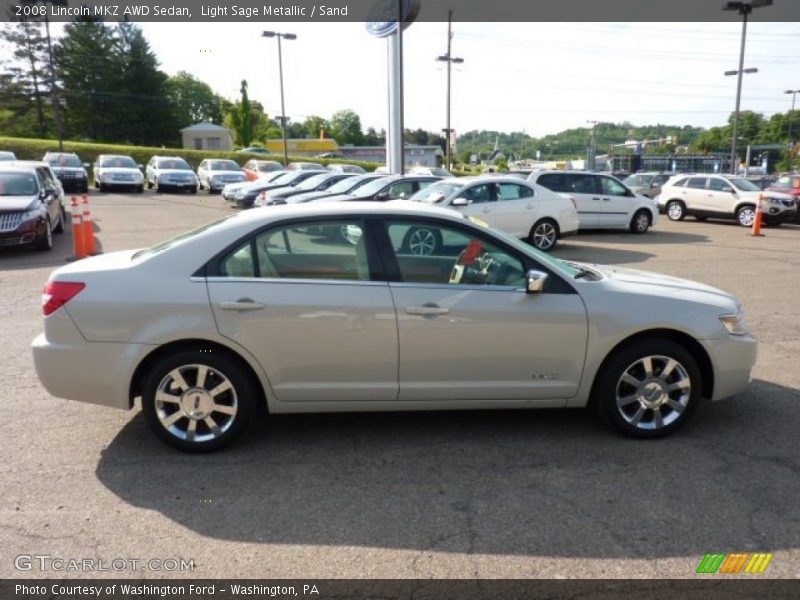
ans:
(535, 282)
(460, 202)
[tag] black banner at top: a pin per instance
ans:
(333, 11)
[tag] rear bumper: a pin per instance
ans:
(96, 373)
(732, 358)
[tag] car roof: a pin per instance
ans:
(26, 163)
(13, 165)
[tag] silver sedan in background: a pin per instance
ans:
(262, 307)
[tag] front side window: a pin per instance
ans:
(718, 185)
(326, 250)
(431, 253)
(478, 194)
(401, 190)
(611, 187)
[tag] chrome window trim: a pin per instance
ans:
(298, 280)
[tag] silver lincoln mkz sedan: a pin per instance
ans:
(267, 307)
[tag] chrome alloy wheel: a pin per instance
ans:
(196, 412)
(653, 392)
(675, 211)
(746, 216)
(544, 236)
(422, 242)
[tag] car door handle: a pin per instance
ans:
(241, 304)
(606, 199)
(529, 206)
(595, 198)
(427, 310)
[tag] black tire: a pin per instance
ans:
(609, 384)
(242, 397)
(422, 241)
(544, 235)
(101, 187)
(745, 215)
(193, 190)
(45, 242)
(676, 210)
(641, 221)
(140, 189)
(62, 218)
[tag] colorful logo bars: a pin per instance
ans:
(744, 562)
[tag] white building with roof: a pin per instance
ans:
(207, 136)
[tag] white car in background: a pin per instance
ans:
(215, 173)
(5, 155)
(164, 172)
(258, 309)
(603, 201)
(117, 171)
(525, 210)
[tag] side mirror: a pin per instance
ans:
(654, 184)
(536, 281)
(382, 196)
(728, 189)
(85, 165)
(140, 166)
(460, 201)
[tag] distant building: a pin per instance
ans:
(415, 156)
(207, 136)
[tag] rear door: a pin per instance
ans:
(302, 302)
(695, 195)
(515, 210)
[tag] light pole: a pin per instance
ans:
(744, 9)
(450, 60)
(286, 36)
(789, 144)
(592, 146)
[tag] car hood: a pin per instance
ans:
(773, 194)
(225, 173)
(17, 203)
(175, 172)
(119, 170)
(647, 282)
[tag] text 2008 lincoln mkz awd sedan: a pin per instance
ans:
(327, 307)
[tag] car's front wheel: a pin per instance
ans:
(544, 235)
(640, 222)
(198, 401)
(676, 210)
(45, 242)
(648, 388)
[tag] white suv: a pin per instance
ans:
(170, 172)
(525, 210)
(603, 201)
(723, 196)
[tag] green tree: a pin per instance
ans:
(373, 138)
(314, 124)
(245, 131)
(346, 128)
(27, 83)
(193, 101)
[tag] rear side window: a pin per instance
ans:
(512, 191)
(556, 182)
(697, 183)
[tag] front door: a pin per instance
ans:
(467, 329)
(615, 203)
(482, 204)
(720, 196)
(299, 298)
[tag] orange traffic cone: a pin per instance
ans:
(78, 247)
(757, 220)
(88, 228)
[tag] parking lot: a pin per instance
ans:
(452, 495)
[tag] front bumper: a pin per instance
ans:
(26, 233)
(780, 215)
(732, 358)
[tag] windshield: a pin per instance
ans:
(122, 162)
(436, 192)
(312, 182)
(17, 184)
(64, 160)
(556, 264)
(174, 163)
(372, 188)
(744, 185)
(223, 165)
(266, 167)
(349, 184)
(180, 238)
(638, 180)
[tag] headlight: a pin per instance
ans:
(238, 194)
(735, 324)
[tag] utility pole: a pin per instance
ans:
(592, 146)
(789, 143)
(449, 59)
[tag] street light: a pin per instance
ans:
(791, 114)
(744, 9)
(450, 60)
(286, 36)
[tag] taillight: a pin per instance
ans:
(57, 293)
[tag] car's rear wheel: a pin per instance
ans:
(544, 235)
(648, 388)
(198, 401)
(676, 210)
(422, 241)
(640, 222)
(746, 215)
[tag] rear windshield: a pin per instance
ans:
(17, 184)
(174, 163)
(122, 162)
(64, 160)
